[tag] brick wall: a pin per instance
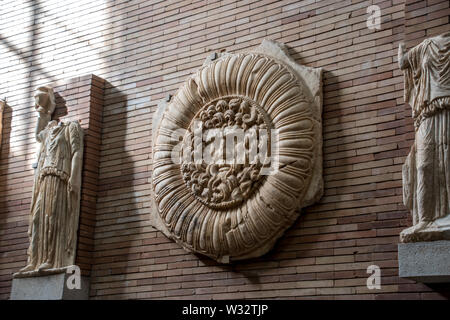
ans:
(144, 50)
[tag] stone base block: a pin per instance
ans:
(427, 262)
(48, 287)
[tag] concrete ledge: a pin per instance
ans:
(48, 287)
(427, 262)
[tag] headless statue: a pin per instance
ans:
(55, 201)
(426, 172)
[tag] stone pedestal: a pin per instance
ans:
(427, 262)
(48, 287)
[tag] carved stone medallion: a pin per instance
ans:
(237, 153)
(222, 185)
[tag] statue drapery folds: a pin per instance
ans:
(56, 192)
(426, 172)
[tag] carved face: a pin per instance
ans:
(219, 182)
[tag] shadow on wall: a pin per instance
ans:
(5, 147)
(6, 124)
(116, 201)
(11, 230)
(32, 65)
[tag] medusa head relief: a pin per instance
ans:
(237, 153)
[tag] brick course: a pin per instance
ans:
(144, 50)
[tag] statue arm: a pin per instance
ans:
(75, 175)
(43, 120)
(76, 141)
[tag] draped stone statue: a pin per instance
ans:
(426, 172)
(55, 201)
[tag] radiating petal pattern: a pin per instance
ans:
(233, 211)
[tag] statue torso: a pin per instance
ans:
(56, 151)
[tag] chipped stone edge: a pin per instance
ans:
(280, 52)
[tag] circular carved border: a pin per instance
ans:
(264, 214)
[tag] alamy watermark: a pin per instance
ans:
(374, 280)
(374, 20)
(74, 280)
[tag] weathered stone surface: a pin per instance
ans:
(426, 172)
(425, 261)
(55, 203)
(237, 209)
(2, 108)
(48, 287)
